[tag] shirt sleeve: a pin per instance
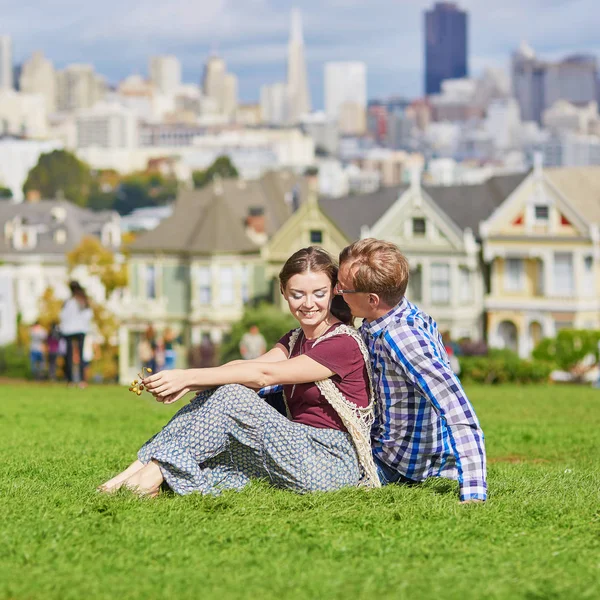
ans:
(285, 340)
(426, 368)
(338, 353)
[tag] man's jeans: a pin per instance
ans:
(388, 475)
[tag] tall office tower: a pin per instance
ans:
(78, 86)
(538, 84)
(346, 95)
(6, 63)
(165, 73)
(38, 77)
(273, 103)
(220, 86)
(446, 30)
(297, 79)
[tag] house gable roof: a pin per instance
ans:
(212, 220)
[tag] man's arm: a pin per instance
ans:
(426, 368)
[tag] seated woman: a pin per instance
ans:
(228, 435)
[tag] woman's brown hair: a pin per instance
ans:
(317, 260)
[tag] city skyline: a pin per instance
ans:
(253, 36)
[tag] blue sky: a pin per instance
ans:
(117, 36)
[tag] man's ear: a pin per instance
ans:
(374, 300)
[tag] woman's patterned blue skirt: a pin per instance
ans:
(229, 435)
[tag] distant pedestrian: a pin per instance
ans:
(253, 343)
(87, 357)
(37, 339)
(75, 320)
(169, 349)
(147, 349)
(53, 345)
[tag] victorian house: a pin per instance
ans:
(197, 270)
(34, 240)
(543, 247)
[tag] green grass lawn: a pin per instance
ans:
(538, 536)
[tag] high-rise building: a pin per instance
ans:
(38, 77)
(78, 86)
(446, 30)
(106, 125)
(6, 63)
(220, 86)
(297, 78)
(538, 84)
(165, 73)
(346, 95)
(273, 103)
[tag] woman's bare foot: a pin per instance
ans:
(112, 485)
(146, 481)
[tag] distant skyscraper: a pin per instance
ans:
(446, 30)
(220, 86)
(346, 95)
(165, 73)
(273, 103)
(538, 84)
(6, 63)
(78, 86)
(297, 79)
(38, 77)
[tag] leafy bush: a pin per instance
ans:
(503, 366)
(271, 321)
(569, 349)
(14, 362)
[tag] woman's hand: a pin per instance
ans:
(172, 398)
(165, 384)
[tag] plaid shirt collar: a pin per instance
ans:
(378, 326)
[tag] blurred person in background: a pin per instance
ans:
(252, 344)
(75, 320)
(87, 356)
(37, 339)
(169, 349)
(53, 344)
(147, 349)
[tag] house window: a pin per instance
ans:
(316, 236)
(204, 286)
(589, 281)
(418, 226)
(226, 292)
(542, 213)
(415, 285)
(464, 281)
(564, 275)
(150, 277)
(514, 275)
(440, 284)
(245, 283)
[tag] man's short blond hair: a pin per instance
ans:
(378, 267)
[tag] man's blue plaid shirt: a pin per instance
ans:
(425, 425)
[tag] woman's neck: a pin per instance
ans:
(318, 330)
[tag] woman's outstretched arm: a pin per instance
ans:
(301, 369)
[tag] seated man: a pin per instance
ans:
(425, 425)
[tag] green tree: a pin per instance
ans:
(5, 193)
(569, 349)
(272, 322)
(143, 189)
(60, 172)
(101, 262)
(222, 167)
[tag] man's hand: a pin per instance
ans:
(166, 384)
